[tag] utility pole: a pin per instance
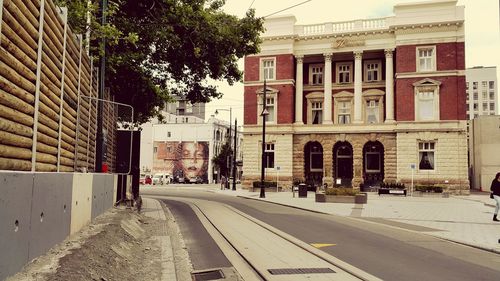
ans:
(263, 164)
(234, 152)
(102, 69)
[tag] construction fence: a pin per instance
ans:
(48, 93)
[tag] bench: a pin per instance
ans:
(391, 191)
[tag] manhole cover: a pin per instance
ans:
(281, 271)
(207, 275)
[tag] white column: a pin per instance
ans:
(327, 99)
(389, 87)
(358, 78)
(299, 90)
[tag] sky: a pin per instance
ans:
(482, 32)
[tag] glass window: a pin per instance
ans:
(344, 112)
(485, 95)
(466, 85)
(492, 106)
(475, 106)
(475, 96)
(344, 73)
(268, 69)
(474, 85)
(169, 134)
(316, 158)
(426, 155)
(485, 106)
(426, 59)
(317, 112)
(317, 75)
(372, 72)
(372, 111)
(269, 155)
(492, 95)
(484, 84)
(492, 85)
(426, 106)
(372, 162)
(270, 108)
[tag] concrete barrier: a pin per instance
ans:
(39, 210)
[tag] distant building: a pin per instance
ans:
(184, 146)
(482, 91)
(361, 101)
(183, 107)
(484, 143)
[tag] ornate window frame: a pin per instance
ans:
(427, 85)
(311, 98)
(271, 93)
(343, 96)
(373, 95)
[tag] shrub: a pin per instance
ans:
(267, 184)
(341, 191)
(392, 185)
(429, 188)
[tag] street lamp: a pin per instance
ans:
(262, 166)
(229, 139)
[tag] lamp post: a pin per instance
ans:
(229, 138)
(234, 153)
(263, 164)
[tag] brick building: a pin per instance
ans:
(361, 101)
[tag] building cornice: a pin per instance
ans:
(406, 75)
(270, 82)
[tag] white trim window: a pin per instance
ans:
(269, 155)
(344, 72)
(372, 111)
(344, 116)
(316, 74)
(317, 112)
(271, 117)
(427, 100)
(426, 160)
(372, 71)
(268, 68)
(426, 58)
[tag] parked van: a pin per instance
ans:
(161, 178)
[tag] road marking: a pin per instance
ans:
(318, 245)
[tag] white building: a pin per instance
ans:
(484, 140)
(161, 144)
(482, 92)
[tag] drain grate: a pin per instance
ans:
(207, 275)
(282, 271)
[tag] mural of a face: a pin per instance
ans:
(193, 158)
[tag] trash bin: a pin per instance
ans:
(302, 190)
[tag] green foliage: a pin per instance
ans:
(159, 48)
(429, 188)
(267, 184)
(341, 191)
(221, 160)
(392, 185)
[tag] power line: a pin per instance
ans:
(251, 5)
(287, 8)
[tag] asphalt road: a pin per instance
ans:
(386, 252)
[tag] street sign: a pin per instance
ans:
(413, 166)
(278, 168)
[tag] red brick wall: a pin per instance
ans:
(286, 106)
(285, 67)
(451, 98)
(449, 56)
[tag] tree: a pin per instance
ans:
(160, 48)
(222, 160)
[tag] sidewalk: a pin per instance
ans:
(463, 219)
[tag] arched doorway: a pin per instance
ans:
(342, 163)
(313, 161)
(373, 163)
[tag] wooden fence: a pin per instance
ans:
(47, 120)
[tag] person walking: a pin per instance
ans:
(495, 191)
(222, 182)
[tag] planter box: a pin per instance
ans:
(431, 194)
(392, 191)
(357, 199)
